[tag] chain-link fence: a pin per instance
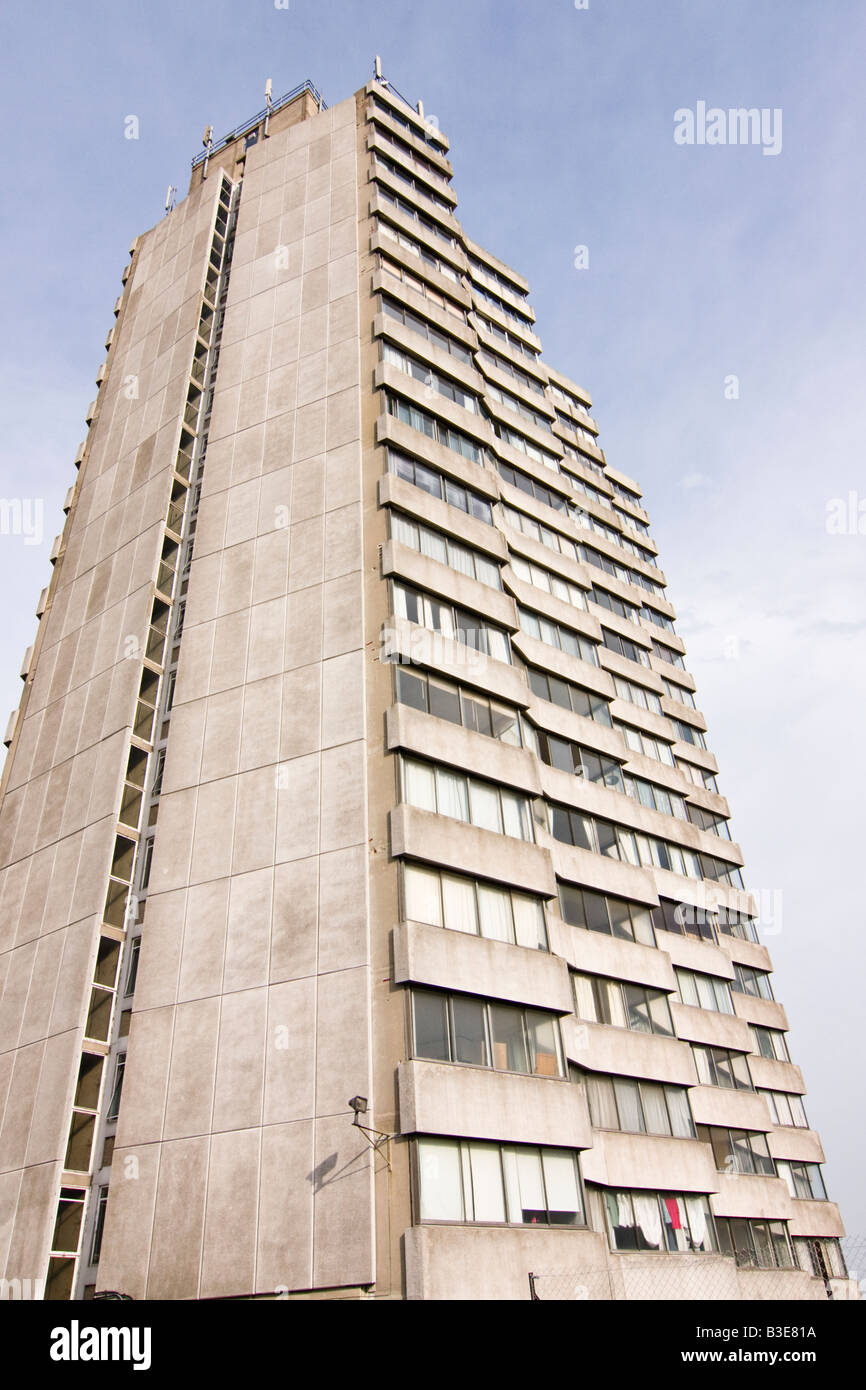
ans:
(703, 1279)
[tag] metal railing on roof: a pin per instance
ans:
(305, 86)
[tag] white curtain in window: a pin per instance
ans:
(697, 1214)
(403, 531)
(487, 1190)
(485, 806)
(419, 784)
(451, 793)
(460, 559)
(487, 572)
(628, 1104)
(524, 1184)
(601, 1102)
(648, 1218)
(529, 922)
(423, 901)
(458, 895)
(515, 816)
(585, 998)
(441, 1187)
(654, 1108)
(678, 1106)
(560, 1181)
(494, 909)
(497, 645)
(433, 545)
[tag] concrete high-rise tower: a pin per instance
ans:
(370, 922)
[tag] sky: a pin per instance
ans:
(718, 324)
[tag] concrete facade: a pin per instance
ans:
(355, 770)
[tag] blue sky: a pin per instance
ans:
(704, 262)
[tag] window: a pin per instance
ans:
(650, 747)
(421, 287)
(637, 1107)
(655, 798)
(737, 924)
(618, 842)
(580, 907)
(738, 1150)
(568, 696)
(502, 364)
(657, 619)
(770, 1043)
(554, 540)
(438, 546)
(786, 1108)
(612, 604)
(622, 1005)
(704, 991)
(436, 484)
(415, 247)
(455, 623)
(532, 488)
(688, 734)
(716, 1066)
(499, 1184)
(671, 656)
(753, 982)
(490, 273)
(421, 371)
(804, 1180)
(706, 820)
(623, 647)
(659, 1221)
(547, 580)
(755, 1244)
(721, 871)
(680, 693)
(557, 635)
(823, 1259)
(637, 695)
(705, 780)
(453, 794)
(419, 185)
(516, 344)
(99, 1225)
(684, 920)
(434, 695)
(114, 1106)
(580, 762)
(420, 131)
(520, 407)
(473, 906)
(132, 969)
(484, 1033)
(591, 556)
(409, 153)
(523, 445)
(435, 429)
(506, 310)
(426, 330)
